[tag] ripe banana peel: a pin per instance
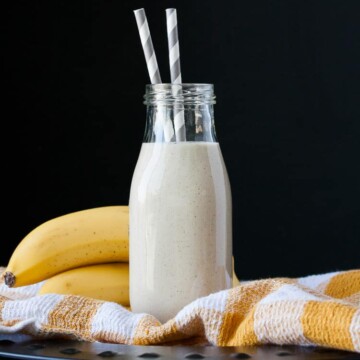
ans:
(108, 282)
(85, 237)
(235, 279)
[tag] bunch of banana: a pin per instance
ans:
(81, 253)
(85, 237)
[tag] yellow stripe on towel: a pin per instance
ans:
(327, 323)
(344, 285)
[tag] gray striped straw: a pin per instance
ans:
(152, 66)
(175, 70)
(148, 46)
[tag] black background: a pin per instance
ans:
(286, 76)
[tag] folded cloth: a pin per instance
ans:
(318, 310)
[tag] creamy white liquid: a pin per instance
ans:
(180, 227)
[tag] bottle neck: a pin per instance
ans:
(178, 113)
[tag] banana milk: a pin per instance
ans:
(180, 228)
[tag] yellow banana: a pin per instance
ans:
(85, 237)
(108, 282)
(235, 279)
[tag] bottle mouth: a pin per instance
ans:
(176, 94)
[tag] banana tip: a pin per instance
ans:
(9, 278)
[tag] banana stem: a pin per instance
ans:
(9, 278)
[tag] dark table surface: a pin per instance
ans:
(25, 347)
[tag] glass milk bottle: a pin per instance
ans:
(180, 225)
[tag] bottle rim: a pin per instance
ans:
(185, 93)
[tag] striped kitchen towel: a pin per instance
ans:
(320, 310)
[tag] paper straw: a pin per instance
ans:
(148, 46)
(175, 70)
(152, 65)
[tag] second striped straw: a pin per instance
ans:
(175, 71)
